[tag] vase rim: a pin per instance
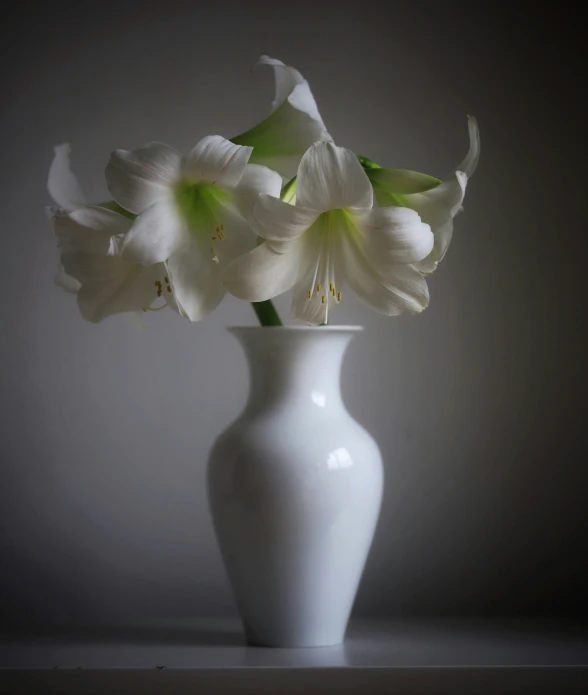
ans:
(329, 329)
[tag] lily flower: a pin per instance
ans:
(331, 236)
(192, 213)
(107, 284)
(293, 125)
(104, 285)
(437, 203)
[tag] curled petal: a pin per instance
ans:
(256, 179)
(279, 221)
(331, 177)
(217, 161)
(393, 235)
(65, 281)
(437, 208)
(263, 273)
(469, 164)
(138, 179)
(62, 184)
(401, 289)
(294, 125)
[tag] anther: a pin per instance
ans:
(339, 297)
(323, 299)
(318, 287)
(310, 294)
(166, 280)
(331, 288)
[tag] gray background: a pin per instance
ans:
(478, 404)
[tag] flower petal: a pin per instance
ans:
(65, 281)
(437, 208)
(401, 289)
(138, 179)
(279, 221)
(393, 235)
(401, 181)
(256, 179)
(195, 280)
(217, 161)
(154, 235)
(469, 164)
(294, 125)
(62, 184)
(89, 229)
(321, 278)
(286, 79)
(331, 177)
(264, 272)
(110, 285)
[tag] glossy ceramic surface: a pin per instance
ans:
(295, 488)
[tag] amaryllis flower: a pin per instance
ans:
(192, 213)
(108, 284)
(333, 236)
(104, 285)
(293, 126)
(436, 206)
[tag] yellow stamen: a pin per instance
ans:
(331, 288)
(318, 287)
(310, 294)
(323, 299)
(340, 296)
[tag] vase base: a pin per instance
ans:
(283, 642)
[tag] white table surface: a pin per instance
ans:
(412, 656)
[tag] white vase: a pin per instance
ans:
(295, 488)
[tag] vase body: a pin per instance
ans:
(294, 488)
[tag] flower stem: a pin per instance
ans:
(266, 313)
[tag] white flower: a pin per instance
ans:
(330, 236)
(104, 285)
(437, 206)
(108, 285)
(292, 127)
(191, 213)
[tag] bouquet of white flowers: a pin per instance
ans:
(278, 207)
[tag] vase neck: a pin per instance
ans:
(294, 364)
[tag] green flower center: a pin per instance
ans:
(202, 205)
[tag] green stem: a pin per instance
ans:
(266, 313)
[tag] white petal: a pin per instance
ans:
(469, 164)
(437, 208)
(154, 235)
(218, 161)
(89, 229)
(393, 235)
(264, 272)
(286, 79)
(255, 180)
(195, 280)
(294, 125)
(63, 186)
(279, 221)
(66, 282)
(109, 285)
(138, 179)
(331, 177)
(307, 300)
(402, 289)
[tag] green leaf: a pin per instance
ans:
(401, 181)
